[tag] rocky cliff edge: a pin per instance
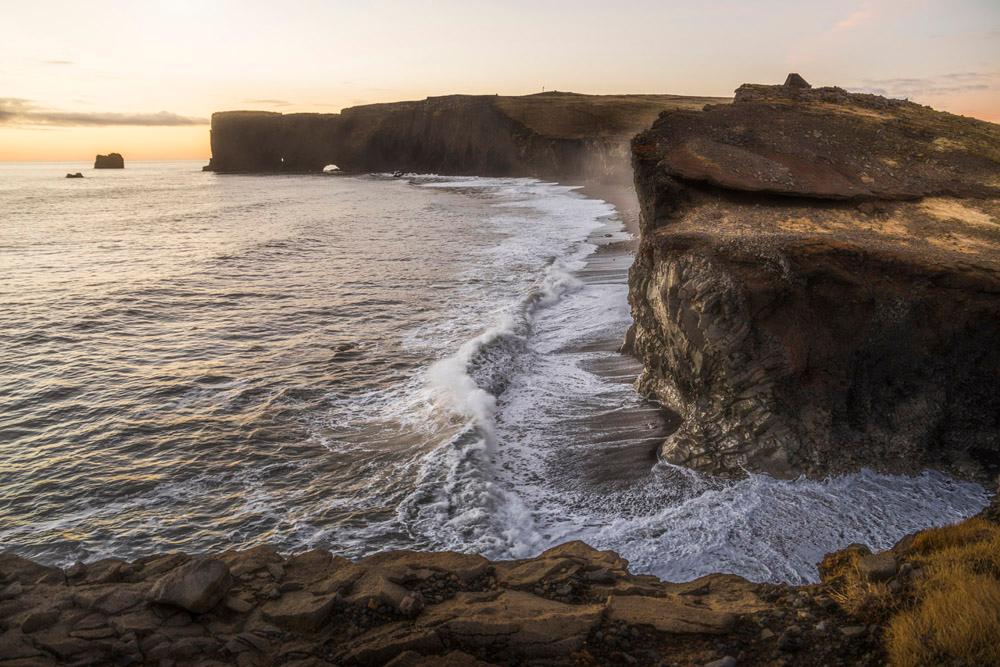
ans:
(572, 605)
(818, 284)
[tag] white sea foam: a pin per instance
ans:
(504, 487)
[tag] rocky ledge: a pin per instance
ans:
(572, 605)
(817, 287)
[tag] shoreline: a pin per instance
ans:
(571, 605)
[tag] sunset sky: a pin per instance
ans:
(143, 77)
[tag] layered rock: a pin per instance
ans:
(552, 135)
(570, 605)
(818, 283)
(109, 161)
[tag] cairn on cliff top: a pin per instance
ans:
(109, 161)
(795, 80)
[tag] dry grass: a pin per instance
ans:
(871, 602)
(947, 612)
(954, 617)
(956, 622)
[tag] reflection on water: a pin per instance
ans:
(196, 361)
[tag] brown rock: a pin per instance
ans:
(374, 588)
(14, 646)
(196, 586)
(107, 571)
(141, 622)
(404, 565)
(520, 623)
(381, 645)
(795, 80)
(525, 575)
(877, 567)
(669, 614)
(452, 659)
(119, 600)
(250, 560)
(157, 565)
(39, 620)
(300, 611)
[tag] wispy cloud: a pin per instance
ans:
(58, 62)
(270, 103)
(853, 20)
(16, 111)
(944, 84)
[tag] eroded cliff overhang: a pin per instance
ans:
(818, 284)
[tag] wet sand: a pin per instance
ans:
(622, 442)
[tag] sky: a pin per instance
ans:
(143, 77)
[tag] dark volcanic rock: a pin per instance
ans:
(795, 80)
(109, 161)
(558, 135)
(818, 283)
(74, 175)
(196, 586)
(330, 615)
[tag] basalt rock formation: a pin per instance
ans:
(109, 161)
(550, 135)
(818, 283)
(572, 605)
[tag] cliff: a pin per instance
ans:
(572, 605)
(818, 284)
(550, 135)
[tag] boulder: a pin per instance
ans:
(795, 80)
(74, 175)
(196, 586)
(300, 610)
(109, 161)
(877, 567)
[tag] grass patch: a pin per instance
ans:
(946, 611)
(955, 622)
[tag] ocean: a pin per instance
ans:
(193, 361)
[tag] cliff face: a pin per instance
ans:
(553, 135)
(818, 284)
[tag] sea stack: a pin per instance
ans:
(109, 161)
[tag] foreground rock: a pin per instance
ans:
(109, 161)
(572, 605)
(818, 283)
